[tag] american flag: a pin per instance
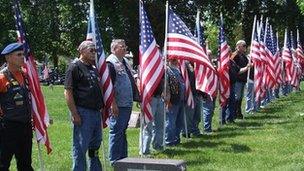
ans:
(223, 66)
(263, 58)
(278, 61)
(257, 63)
(39, 112)
(199, 30)
(151, 63)
(106, 83)
(287, 58)
(182, 44)
(188, 93)
(297, 67)
(300, 53)
(296, 72)
(270, 67)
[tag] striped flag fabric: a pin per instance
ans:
(151, 63)
(270, 67)
(258, 65)
(300, 53)
(199, 30)
(279, 62)
(40, 115)
(223, 67)
(297, 69)
(263, 58)
(188, 93)
(94, 35)
(182, 45)
(287, 58)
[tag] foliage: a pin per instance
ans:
(301, 5)
(56, 27)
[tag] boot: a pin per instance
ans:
(238, 110)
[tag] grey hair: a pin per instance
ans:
(240, 42)
(115, 42)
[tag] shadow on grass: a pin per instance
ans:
(264, 116)
(238, 148)
(278, 122)
(175, 151)
(229, 134)
(272, 109)
(198, 162)
(200, 144)
(246, 124)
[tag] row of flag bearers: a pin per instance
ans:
(178, 87)
(262, 73)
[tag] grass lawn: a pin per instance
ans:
(271, 139)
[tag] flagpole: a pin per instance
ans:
(141, 134)
(183, 64)
(219, 66)
(92, 15)
(41, 162)
(166, 79)
(249, 70)
(281, 61)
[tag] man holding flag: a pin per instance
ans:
(15, 111)
(151, 86)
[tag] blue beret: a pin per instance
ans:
(12, 48)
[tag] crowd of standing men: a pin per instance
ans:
(83, 93)
(168, 101)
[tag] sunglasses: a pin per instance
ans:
(20, 54)
(93, 50)
(123, 46)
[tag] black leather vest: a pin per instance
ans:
(15, 102)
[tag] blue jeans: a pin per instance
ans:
(154, 130)
(286, 89)
(251, 104)
(228, 111)
(193, 116)
(207, 112)
(87, 136)
(174, 123)
(277, 92)
(239, 90)
(239, 94)
(189, 112)
(196, 116)
(271, 95)
(267, 98)
(118, 145)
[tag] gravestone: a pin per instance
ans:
(138, 164)
(134, 120)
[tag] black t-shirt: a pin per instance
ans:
(234, 69)
(242, 61)
(160, 87)
(85, 83)
(192, 80)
